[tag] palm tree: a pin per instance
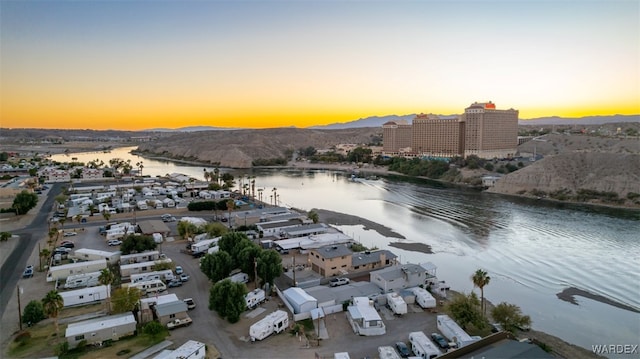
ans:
(106, 278)
(207, 175)
(216, 174)
(480, 279)
(230, 205)
(52, 304)
(275, 196)
(106, 215)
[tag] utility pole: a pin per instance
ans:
(295, 284)
(255, 271)
(19, 308)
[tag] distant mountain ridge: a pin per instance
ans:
(378, 121)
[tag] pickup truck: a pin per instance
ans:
(177, 323)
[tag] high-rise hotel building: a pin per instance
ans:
(482, 130)
(489, 132)
(437, 137)
(396, 136)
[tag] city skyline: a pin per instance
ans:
(138, 65)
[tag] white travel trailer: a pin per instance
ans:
(84, 296)
(396, 303)
(275, 322)
(203, 246)
(239, 278)
(117, 234)
(387, 352)
(254, 298)
(150, 286)
(165, 275)
(422, 346)
(82, 280)
(127, 270)
(169, 203)
(142, 205)
(452, 331)
(423, 298)
(66, 270)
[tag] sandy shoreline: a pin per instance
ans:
(569, 294)
(343, 219)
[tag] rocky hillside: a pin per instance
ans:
(579, 168)
(238, 148)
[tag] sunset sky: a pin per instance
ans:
(146, 64)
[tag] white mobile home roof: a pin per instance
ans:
(77, 265)
(186, 350)
(314, 241)
(90, 325)
(95, 252)
(68, 295)
(161, 299)
(143, 264)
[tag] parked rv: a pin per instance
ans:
(397, 305)
(254, 298)
(424, 299)
(275, 322)
(82, 280)
(387, 352)
(422, 346)
(151, 286)
(452, 331)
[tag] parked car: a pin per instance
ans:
(338, 281)
(184, 277)
(403, 349)
(64, 250)
(174, 283)
(114, 242)
(67, 244)
(440, 340)
(168, 219)
(495, 327)
(179, 270)
(69, 234)
(28, 272)
(190, 303)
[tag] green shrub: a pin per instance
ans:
(61, 348)
(153, 328)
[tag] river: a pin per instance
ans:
(531, 249)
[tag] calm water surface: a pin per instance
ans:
(531, 250)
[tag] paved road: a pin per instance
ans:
(12, 268)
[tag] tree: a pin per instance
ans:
(24, 201)
(229, 242)
(480, 279)
(106, 278)
(215, 229)
(269, 265)
(125, 299)
(464, 309)
(106, 215)
(227, 298)
(137, 244)
(44, 254)
(246, 258)
(4, 236)
(313, 215)
(52, 304)
(217, 266)
(33, 312)
(186, 229)
(359, 154)
(510, 317)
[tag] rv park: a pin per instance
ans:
(335, 330)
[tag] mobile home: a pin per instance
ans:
(127, 270)
(98, 330)
(142, 205)
(88, 254)
(84, 296)
(203, 246)
(387, 352)
(139, 257)
(63, 271)
(396, 303)
(422, 346)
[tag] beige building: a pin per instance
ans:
(438, 137)
(396, 136)
(490, 132)
(337, 260)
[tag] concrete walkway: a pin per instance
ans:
(152, 350)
